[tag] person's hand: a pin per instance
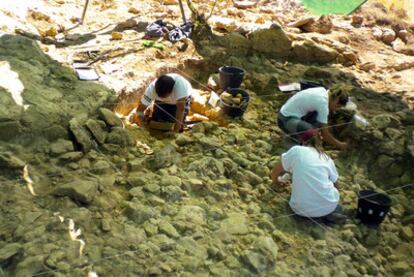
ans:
(279, 187)
(142, 119)
(276, 183)
(178, 127)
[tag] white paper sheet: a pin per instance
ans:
(290, 87)
(87, 74)
(214, 98)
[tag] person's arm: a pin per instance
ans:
(141, 108)
(147, 98)
(277, 170)
(329, 138)
(179, 124)
(141, 118)
(333, 174)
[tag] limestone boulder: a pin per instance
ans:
(245, 4)
(168, 229)
(172, 193)
(82, 191)
(403, 35)
(400, 268)
(139, 213)
(191, 213)
(184, 140)
(367, 67)
(97, 128)
(263, 82)
(10, 130)
(61, 146)
(322, 25)
(81, 135)
(377, 33)
(165, 157)
(272, 41)
(223, 23)
(48, 96)
(8, 251)
(208, 167)
(102, 167)
(234, 224)
(383, 121)
(9, 161)
(357, 20)
(10, 114)
(120, 136)
(398, 45)
(235, 41)
(407, 233)
(30, 266)
(110, 118)
(308, 51)
(388, 36)
(302, 22)
(262, 256)
(72, 156)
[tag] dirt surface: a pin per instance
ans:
(133, 66)
(84, 192)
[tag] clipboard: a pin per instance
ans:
(85, 72)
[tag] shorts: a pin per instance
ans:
(293, 125)
(168, 112)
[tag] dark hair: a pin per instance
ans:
(341, 93)
(315, 142)
(164, 86)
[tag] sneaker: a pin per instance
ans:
(335, 218)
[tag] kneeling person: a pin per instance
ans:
(314, 179)
(171, 96)
(309, 109)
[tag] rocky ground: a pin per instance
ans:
(198, 203)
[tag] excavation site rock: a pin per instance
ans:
(85, 192)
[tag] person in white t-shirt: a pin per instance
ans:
(309, 109)
(171, 96)
(314, 177)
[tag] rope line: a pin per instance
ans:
(210, 89)
(365, 197)
(122, 253)
(287, 201)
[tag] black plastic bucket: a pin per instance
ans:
(372, 206)
(235, 111)
(305, 84)
(230, 77)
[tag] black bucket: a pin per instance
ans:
(235, 111)
(305, 84)
(230, 77)
(372, 206)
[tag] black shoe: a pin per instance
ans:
(335, 218)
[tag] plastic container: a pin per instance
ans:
(230, 77)
(372, 206)
(360, 119)
(305, 84)
(234, 111)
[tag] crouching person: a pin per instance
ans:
(314, 178)
(170, 96)
(310, 109)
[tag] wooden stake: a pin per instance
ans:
(84, 11)
(182, 11)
